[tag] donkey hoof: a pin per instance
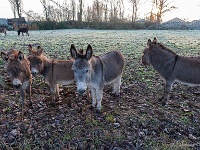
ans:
(115, 95)
(98, 111)
(91, 107)
(160, 99)
(163, 103)
(53, 104)
(30, 105)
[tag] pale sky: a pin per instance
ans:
(187, 9)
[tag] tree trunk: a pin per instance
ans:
(80, 12)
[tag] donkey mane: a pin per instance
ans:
(161, 46)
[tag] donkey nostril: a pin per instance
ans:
(81, 91)
(17, 86)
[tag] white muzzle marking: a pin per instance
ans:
(34, 71)
(17, 82)
(81, 87)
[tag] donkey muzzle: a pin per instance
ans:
(17, 83)
(34, 71)
(81, 87)
(17, 86)
(81, 91)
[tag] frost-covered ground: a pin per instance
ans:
(134, 120)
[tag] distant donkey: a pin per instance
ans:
(23, 30)
(18, 68)
(95, 72)
(3, 30)
(54, 71)
(171, 67)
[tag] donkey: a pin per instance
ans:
(95, 72)
(54, 71)
(18, 68)
(23, 30)
(171, 67)
(3, 30)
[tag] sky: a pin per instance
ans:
(187, 9)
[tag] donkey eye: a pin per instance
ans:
(87, 71)
(39, 63)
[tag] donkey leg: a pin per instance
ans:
(57, 91)
(116, 86)
(23, 96)
(94, 100)
(53, 90)
(99, 95)
(167, 89)
(28, 90)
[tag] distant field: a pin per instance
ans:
(134, 120)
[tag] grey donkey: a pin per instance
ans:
(171, 66)
(94, 72)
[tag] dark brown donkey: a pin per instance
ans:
(18, 68)
(55, 72)
(171, 67)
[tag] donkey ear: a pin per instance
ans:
(20, 56)
(148, 43)
(155, 40)
(4, 56)
(73, 51)
(30, 48)
(89, 52)
(39, 50)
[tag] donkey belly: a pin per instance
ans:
(64, 82)
(110, 81)
(189, 78)
(113, 64)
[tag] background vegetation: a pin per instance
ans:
(101, 14)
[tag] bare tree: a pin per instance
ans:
(113, 10)
(106, 11)
(13, 7)
(89, 14)
(97, 13)
(116, 10)
(73, 7)
(121, 9)
(46, 10)
(31, 15)
(135, 6)
(16, 6)
(80, 12)
(163, 7)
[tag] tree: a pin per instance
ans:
(121, 9)
(16, 6)
(106, 11)
(163, 7)
(97, 10)
(73, 6)
(135, 5)
(116, 10)
(80, 12)
(31, 15)
(46, 10)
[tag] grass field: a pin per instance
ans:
(135, 120)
